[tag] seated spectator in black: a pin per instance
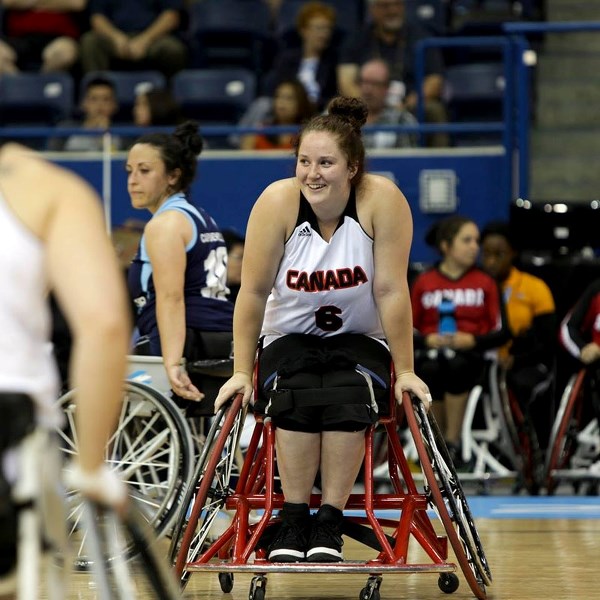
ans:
(98, 106)
(529, 357)
(40, 35)
(374, 85)
(156, 107)
(290, 105)
(235, 253)
(449, 354)
(391, 37)
(314, 62)
(134, 35)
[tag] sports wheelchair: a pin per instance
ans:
(155, 444)
(196, 546)
(575, 438)
(499, 441)
(40, 507)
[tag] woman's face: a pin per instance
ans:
(497, 256)
(464, 248)
(285, 104)
(322, 169)
(141, 111)
(148, 184)
(316, 35)
(235, 257)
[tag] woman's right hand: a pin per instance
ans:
(182, 384)
(238, 383)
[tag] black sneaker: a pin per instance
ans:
(289, 544)
(325, 542)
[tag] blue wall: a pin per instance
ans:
(227, 186)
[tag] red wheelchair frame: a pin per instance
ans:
(238, 548)
(572, 416)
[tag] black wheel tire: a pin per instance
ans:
(448, 583)
(259, 594)
(226, 582)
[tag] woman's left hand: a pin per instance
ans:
(409, 382)
(182, 384)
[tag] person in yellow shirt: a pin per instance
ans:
(529, 357)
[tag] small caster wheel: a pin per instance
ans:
(368, 593)
(448, 583)
(258, 588)
(371, 590)
(226, 582)
(258, 594)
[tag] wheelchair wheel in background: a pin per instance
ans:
(563, 437)
(151, 448)
(447, 497)
(210, 486)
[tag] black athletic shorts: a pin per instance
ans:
(312, 383)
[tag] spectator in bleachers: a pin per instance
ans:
(40, 36)
(99, 106)
(580, 335)
(290, 105)
(314, 62)
(530, 356)
(136, 34)
(449, 356)
(374, 83)
(156, 107)
(393, 38)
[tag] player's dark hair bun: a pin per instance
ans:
(351, 109)
(189, 135)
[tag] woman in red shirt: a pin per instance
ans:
(450, 358)
(291, 106)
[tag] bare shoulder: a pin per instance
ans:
(379, 198)
(280, 193)
(38, 190)
(27, 169)
(377, 187)
(279, 203)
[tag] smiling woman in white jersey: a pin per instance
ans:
(324, 288)
(52, 237)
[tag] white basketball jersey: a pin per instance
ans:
(324, 288)
(26, 362)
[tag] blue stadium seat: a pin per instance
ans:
(231, 33)
(128, 84)
(429, 13)
(214, 95)
(475, 92)
(35, 98)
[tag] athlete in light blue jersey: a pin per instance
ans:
(177, 278)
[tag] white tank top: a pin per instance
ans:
(324, 288)
(26, 361)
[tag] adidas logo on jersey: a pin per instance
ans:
(305, 231)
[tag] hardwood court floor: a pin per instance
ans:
(530, 559)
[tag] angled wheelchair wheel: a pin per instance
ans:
(563, 437)
(447, 497)
(203, 515)
(150, 447)
(117, 578)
